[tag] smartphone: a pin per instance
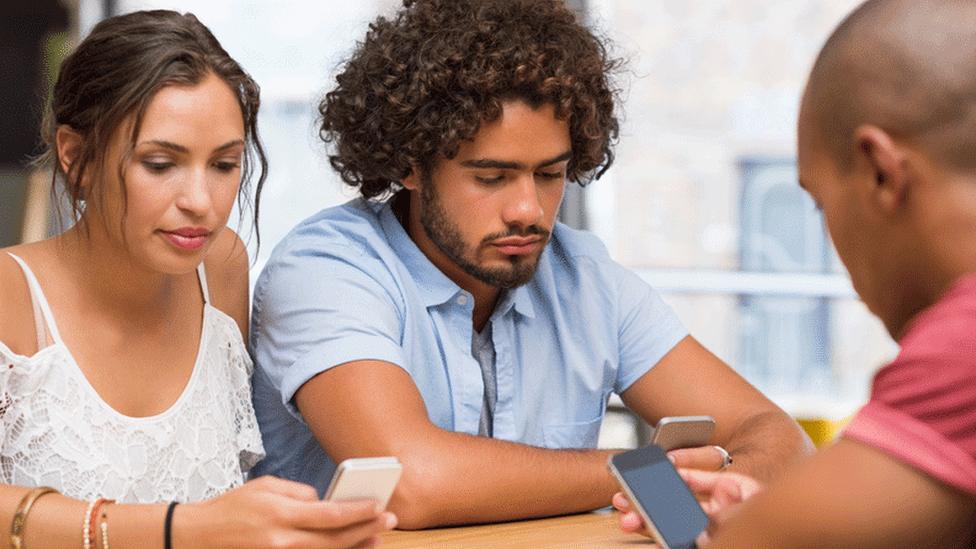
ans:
(662, 499)
(683, 432)
(365, 478)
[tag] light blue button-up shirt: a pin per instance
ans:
(349, 284)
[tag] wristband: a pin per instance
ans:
(168, 526)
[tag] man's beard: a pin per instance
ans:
(447, 237)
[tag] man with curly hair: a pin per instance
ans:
(445, 317)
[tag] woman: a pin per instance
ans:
(124, 377)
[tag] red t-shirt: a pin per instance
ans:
(923, 405)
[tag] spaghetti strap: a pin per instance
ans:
(37, 296)
(202, 277)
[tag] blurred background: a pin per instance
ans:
(702, 201)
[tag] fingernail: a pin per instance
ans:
(391, 521)
(670, 458)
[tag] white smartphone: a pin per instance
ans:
(365, 478)
(683, 432)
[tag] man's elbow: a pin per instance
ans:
(415, 502)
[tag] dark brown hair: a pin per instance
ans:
(424, 81)
(115, 72)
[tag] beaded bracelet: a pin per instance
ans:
(103, 526)
(86, 525)
(99, 503)
(20, 515)
(88, 534)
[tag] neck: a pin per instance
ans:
(944, 249)
(485, 296)
(943, 265)
(105, 272)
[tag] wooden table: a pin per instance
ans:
(596, 530)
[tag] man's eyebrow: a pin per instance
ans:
(556, 160)
(181, 149)
(490, 163)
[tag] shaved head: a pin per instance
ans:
(906, 66)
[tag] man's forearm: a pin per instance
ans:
(766, 444)
(453, 478)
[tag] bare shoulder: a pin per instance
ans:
(16, 311)
(227, 276)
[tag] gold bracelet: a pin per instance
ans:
(20, 515)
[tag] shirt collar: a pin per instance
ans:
(518, 299)
(435, 287)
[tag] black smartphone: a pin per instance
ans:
(668, 507)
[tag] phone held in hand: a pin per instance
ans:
(365, 478)
(683, 432)
(662, 499)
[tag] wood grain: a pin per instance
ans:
(590, 530)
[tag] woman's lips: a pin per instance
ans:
(187, 239)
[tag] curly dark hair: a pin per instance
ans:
(425, 80)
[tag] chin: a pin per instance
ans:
(175, 264)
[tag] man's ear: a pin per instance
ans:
(888, 161)
(412, 181)
(69, 144)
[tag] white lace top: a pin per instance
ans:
(58, 432)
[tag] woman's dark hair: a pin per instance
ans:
(115, 72)
(424, 81)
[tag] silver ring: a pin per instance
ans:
(726, 458)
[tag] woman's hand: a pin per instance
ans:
(272, 512)
(719, 495)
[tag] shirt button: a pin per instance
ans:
(462, 300)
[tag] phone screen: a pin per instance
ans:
(667, 502)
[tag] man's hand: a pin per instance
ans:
(705, 458)
(719, 494)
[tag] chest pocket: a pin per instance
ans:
(572, 435)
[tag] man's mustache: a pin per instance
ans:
(531, 230)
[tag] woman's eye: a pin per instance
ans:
(226, 166)
(156, 166)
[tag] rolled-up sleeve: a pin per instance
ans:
(315, 309)
(648, 328)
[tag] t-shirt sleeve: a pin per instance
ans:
(648, 328)
(922, 410)
(314, 310)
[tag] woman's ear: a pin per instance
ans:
(69, 144)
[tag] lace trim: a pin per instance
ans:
(56, 433)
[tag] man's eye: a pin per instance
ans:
(489, 180)
(550, 175)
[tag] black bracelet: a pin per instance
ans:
(168, 525)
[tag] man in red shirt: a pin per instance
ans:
(887, 149)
